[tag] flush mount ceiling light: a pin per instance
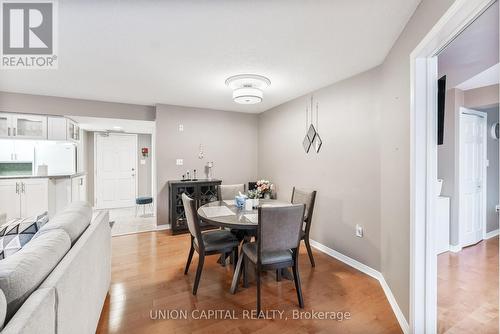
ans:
(248, 88)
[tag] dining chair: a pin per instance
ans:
(206, 243)
(229, 191)
(308, 198)
(277, 245)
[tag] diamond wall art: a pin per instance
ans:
(312, 137)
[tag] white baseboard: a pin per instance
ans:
(163, 227)
(370, 272)
(455, 249)
(489, 235)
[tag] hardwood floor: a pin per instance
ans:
(468, 289)
(147, 275)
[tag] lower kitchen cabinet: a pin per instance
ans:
(20, 198)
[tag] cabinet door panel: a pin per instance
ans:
(30, 126)
(24, 150)
(5, 125)
(6, 150)
(34, 197)
(56, 128)
(9, 198)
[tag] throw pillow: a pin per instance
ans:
(17, 232)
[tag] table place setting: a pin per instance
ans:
(217, 211)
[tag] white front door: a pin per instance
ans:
(116, 165)
(472, 176)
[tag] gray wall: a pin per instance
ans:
(346, 172)
(479, 99)
(50, 105)
(492, 175)
(363, 170)
(144, 172)
(229, 140)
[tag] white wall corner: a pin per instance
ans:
(491, 234)
(403, 323)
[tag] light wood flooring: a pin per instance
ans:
(147, 274)
(468, 289)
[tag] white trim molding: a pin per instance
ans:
(491, 234)
(403, 323)
(455, 249)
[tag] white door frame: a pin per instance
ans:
(423, 160)
(460, 167)
(96, 134)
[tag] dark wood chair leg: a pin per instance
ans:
(245, 271)
(223, 258)
(198, 273)
(257, 277)
(309, 251)
(235, 257)
(296, 279)
(190, 257)
(278, 275)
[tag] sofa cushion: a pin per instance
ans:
(24, 271)
(3, 308)
(17, 232)
(74, 219)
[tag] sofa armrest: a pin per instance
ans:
(82, 279)
(36, 316)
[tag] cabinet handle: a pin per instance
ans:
(17, 187)
(14, 131)
(22, 187)
(8, 131)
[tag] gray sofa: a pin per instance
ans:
(57, 283)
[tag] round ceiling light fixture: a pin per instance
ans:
(248, 88)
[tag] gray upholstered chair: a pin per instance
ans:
(308, 198)
(206, 243)
(229, 191)
(277, 245)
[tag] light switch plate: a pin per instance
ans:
(359, 231)
(143, 162)
(179, 162)
(181, 127)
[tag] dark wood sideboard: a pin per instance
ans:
(202, 191)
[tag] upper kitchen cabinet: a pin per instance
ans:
(56, 128)
(23, 126)
(73, 131)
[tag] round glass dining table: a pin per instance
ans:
(226, 214)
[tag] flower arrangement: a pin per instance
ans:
(254, 194)
(264, 186)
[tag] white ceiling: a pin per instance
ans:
(181, 52)
(488, 77)
(111, 124)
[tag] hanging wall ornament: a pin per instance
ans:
(312, 137)
(317, 142)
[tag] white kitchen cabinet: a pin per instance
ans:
(79, 188)
(21, 198)
(24, 150)
(56, 128)
(17, 150)
(23, 126)
(6, 150)
(34, 197)
(73, 131)
(5, 120)
(10, 201)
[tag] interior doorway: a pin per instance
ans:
(115, 170)
(120, 159)
(424, 169)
